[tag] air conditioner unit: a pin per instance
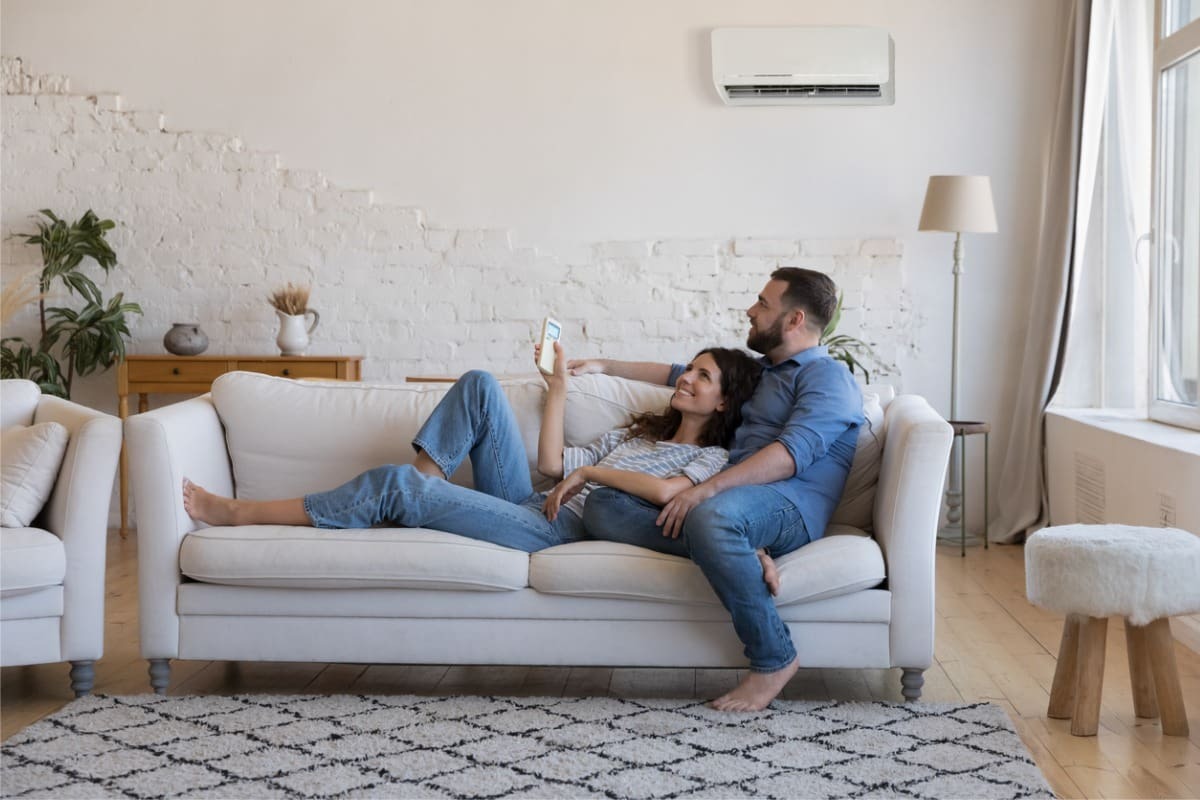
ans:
(804, 66)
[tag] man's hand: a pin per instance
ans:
(587, 366)
(567, 488)
(675, 512)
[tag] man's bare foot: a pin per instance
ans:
(757, 690)
(770, 572)
(205, 506)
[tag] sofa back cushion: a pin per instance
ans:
(288, 438)
(18, 402)
(596, 404)
(858, 497)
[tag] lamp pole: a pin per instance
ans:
(955, 524)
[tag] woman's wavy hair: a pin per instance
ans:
(739, 377)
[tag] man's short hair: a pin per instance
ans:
(813, 292)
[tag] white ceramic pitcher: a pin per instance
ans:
(293, 334)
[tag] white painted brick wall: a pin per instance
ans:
(206, 227)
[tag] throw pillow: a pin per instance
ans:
(29, 461)
(858, 498)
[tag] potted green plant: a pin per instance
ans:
(847, 349)
(74, 341)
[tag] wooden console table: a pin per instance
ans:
(167, 374)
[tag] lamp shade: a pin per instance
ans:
(959, 204)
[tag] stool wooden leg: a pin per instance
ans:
(1145, 702)
(1161, 652)
(1093, 634)
(1062, 691)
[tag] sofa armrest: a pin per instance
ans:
(183, 440)
(77, 513)
(908, 504)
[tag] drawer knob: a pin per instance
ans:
(175, 371)
(286, 372)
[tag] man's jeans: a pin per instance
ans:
(722, 536)
(474, 419)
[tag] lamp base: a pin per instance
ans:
(951, 535)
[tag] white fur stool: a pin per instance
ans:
(1092, 572)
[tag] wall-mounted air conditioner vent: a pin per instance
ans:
(801, 90)
(804, 66)
(1089, 489)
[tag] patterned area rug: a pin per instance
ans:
(346, 746)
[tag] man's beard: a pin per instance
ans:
(764, 341)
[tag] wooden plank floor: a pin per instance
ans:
(991, 645)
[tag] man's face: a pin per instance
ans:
(767, 316)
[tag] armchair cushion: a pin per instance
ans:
(29, 466)
(18, 402)
(30, 558)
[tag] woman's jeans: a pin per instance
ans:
(473, 420)
(722, 535)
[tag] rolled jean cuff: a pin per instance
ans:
(315, 516)
(442, 464)
(768, 668)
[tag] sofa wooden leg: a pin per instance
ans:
(1062, 690)
(160, 674)
(83, 677)
(1145, 701)
(911, 682)
(1089, 684)
(1161, 647)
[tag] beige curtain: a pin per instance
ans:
(1022, 495)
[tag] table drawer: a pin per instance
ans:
(292, 369)
(167, 371)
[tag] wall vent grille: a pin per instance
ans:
(1089, 489)
(1166, 510)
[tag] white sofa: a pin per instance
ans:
(52, 571)
(388, 595)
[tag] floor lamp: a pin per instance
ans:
(957, 204)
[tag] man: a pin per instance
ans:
(786, 472)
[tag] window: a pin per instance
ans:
(1175, 288)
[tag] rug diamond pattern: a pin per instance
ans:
(529, 747)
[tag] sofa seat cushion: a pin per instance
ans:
(301, 557)
(30, 558)
(46, 601)
(833, 565)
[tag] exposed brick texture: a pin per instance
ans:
(207, 226)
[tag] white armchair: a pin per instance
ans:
(52, 572)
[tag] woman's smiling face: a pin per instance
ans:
(698, 389)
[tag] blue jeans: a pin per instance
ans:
(473, 420)
(722, 536)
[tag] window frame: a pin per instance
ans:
(1169, 51)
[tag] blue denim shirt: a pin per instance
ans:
(812, 405)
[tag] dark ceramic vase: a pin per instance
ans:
(185, 339)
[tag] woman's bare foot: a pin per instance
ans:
(205, 506)
(757, 690)
(770, 572)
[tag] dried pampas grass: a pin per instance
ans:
(16, 295)
(291, 299)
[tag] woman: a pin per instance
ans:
(656, 457)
